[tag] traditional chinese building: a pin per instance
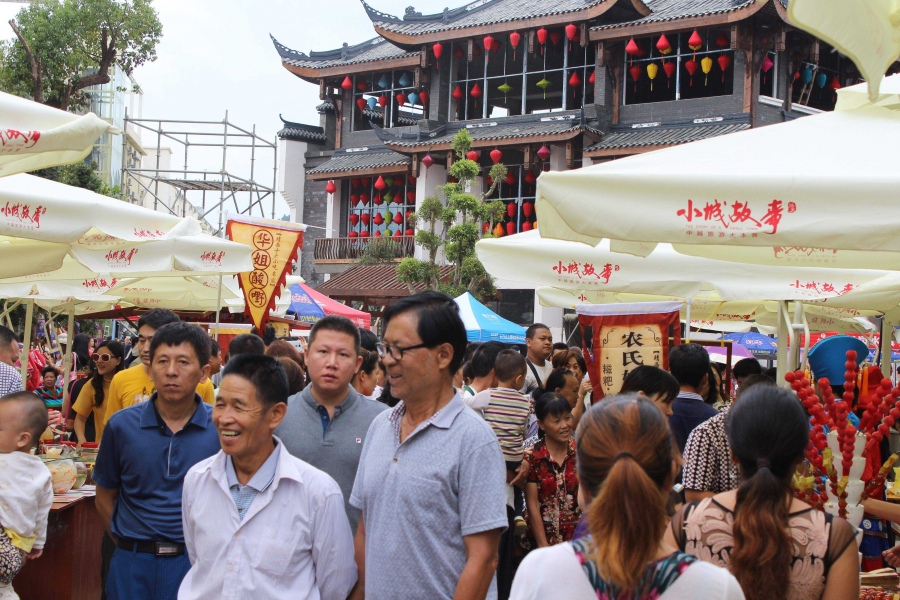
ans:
(551, 84)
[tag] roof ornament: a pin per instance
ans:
(345, 51)
(445, 16)
(411, 12)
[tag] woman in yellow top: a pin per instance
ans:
(108, 359)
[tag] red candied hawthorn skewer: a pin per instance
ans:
(892, 403)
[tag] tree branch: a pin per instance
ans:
(36, 76)
(108, 47)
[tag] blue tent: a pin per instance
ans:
(483, 325)
(302, 305)
(759, 345)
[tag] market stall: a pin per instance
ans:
(484, 325)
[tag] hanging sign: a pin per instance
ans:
(623, 337)
(274, 246)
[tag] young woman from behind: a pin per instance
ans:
(626, 464)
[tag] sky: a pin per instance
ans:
(216, 56)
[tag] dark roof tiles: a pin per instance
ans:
(671, 10)
(497, 129)
(361, 160)
(368, 51)
(301, 132)
(663, 136)
(380, 280)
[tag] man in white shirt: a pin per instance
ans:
(259, 522)
(539, 342)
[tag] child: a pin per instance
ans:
(551, 493)
(50, 392)
(26, 491)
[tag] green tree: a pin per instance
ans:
(454, 224)
(65, 46)
(80, 174)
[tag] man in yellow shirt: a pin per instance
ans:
(133, 385)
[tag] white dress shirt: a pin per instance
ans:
(294, 541)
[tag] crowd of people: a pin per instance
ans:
(421, 466)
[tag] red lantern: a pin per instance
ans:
(722, 40)
(401, 98)
(355, 182)
(514, 42)
(366, 217)
(527, 208)
(458, 53)
(476, 91)
(489, 180)
(377, 233)
(835, 84)
(495, 47)
(366, 181)
(544, 152)
(574, 81)
(330, 188)
(398, 233)
(380, 184)
(378, 220)
(571, 33)
(364, 233)
(457, 94)
(423, 96)
(635, 72)
(530, 176)
(526, 226)
(669, 68)
(382, 101)
(398, 218)
(496, 155)
(484, 228)
(542, 37)
(409, 214)
(511, 210)
(364, 199)
(354, 219)
(510, 228)
(378, 201)
(591, 79)
(631, 48)
(472, 155)
(361, 85)
(510, 178)
(691, 66)
(724, 62)
(427, 161)
(411, 196)
(354, 199)
(555, 37)
(411, 179)
(410, 232)
(398, 180)
(353, 234)
(361, 103)
(346, 84)
(663, 45)
(488, 42)
(438, 50)
(695, 42)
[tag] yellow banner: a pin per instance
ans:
(274, 248)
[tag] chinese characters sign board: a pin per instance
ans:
(624, 337)
(274, 247)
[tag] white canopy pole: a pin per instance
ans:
(887, 331)
(784, 332)
(26, 345)
(67, 360)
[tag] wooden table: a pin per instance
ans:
(70, 566)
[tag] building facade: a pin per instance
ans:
(551, 84)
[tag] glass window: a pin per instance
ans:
(380, 95)
(685, 71)
(517, 191)
(507, 81)
(813, 84)
(375, 213)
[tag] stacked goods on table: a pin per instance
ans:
(879, 581)
(877, 593)
(838, 460)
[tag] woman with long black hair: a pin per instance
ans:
(108, 360)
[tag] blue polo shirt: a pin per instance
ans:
(142, 459)
(688, 411)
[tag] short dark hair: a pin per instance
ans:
(175, 334)
(753, 380)
(336, 323)
(689, 363)
(368, 339)
(438, 322)
(246, 343)
(509, 364)
(296, 380)
(529, 333)
(265, 373)
(268, 335)
(7, 336)
(34, 413)
(49, 369)
(746, 367)
(214, 348)
(560, 346)
(485, 357)
(652, 381)
(550, 404)
(157, 317)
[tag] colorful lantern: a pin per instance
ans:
(526, 226)
(354, 199)
(631, 48)
(511, 210)
(423, 97)
(383, 82)
(544, 152)
(669, 68)
(346, 84)
(496, 155)
(364, 233)
(388, 216)
(766, 66)
(722, 40)
(591, 78)
(411, 178)
(398, 233)
(724, 62)
(510, 227)
(361, 85)
(695, 42)
(543, 84)
(555, 37)
(495, 47)
(428, 161)
(382, 101)
(409, 215)
(366, 181)
(806, 75)
(472, 155)
(361, 103)
(706, 65)
(514, 38)
(354, 219)
(571, 32)
(498, 230)
(438, 50)
(574, 81)
(371, 102)
(835, 84)
(330, 187)
(527, 208)
(377, 233)
(476, 91)
(388, 197)
(530, 176)
(663, 45)
(505, 88)
(691, 66)
(652, 69)
(542, 38)
(404, 80)
(380, 184)
(398, 179)
(457, 95)
(366, 217)
(378, 220)
(401, 98)
(410, 232)
(411, 196)
(378, 200)
(458, 53)
(398, 218)
(635, 74)
(510, 178)
(355, 182)
(413, 98)
(821, 79)
(364, 199)
(353, 234)
(488, 42)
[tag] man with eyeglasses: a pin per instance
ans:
(326, 423)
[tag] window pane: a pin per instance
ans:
(504, 96)
(546, 97)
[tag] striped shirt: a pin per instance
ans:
(507, 414)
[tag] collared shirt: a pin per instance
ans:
(421, 497)
(557, 487)
(707, 458)
(10, 379)
(688, 411)
(335, 446)
(146, 462)
(293, 543)
(244, 495)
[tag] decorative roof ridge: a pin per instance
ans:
(286, 52)
(730, 119)
(454, 126)
(379, 149)
(735, 5)
(344, 53)
(304, 126)
(445, 17)
(325, 106)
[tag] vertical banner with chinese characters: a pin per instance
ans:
(274, 246)
(619, 338)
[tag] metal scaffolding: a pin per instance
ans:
(246, 192)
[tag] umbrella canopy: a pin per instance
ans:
(333, 307)
(857, 95)
(750, 196)
(303, 306)
(484, 325)
(719, 354)
(35, 136)
(759, 345)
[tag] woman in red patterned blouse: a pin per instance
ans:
(551, 494)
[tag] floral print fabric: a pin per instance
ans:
(557, 492)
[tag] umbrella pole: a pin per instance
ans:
(781, 356)
(795, 342)
(218, 309)
(26, 345)
(687, 317)
(67, 362)
(887, 330)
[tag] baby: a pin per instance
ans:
(26, 490)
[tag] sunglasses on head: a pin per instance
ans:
(102, 357)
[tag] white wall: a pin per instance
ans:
(292, 175)
(427, 182)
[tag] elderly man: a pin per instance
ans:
(257, 521)
(431, 477)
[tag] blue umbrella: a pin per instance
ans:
(759, 345)
(483, 325)
(304, 306)
(873, 356)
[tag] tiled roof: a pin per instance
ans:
(479, 12)
(376, 280)
(490, 129)
(327, 106)
(301, 133)
(368, 51)
(359, 160)
(664, 134)
(671, 10)
(378, 115)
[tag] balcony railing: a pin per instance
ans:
(346, 249)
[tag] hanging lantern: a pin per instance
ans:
(543, 84)
(496, 155)
(542, 38)
(476, 91)
(413, 98)
(504, 88)
(383, 82)
(398, 218)
(423, 97)
(380, 184)
(527, 208)
(377, 233)
(498, 230)
(354, 199)
(388, 197)
(389, 181)
(691, 66)
(428, 161)
(366, 217)
(821, 79)
(571, 32)
(806, 75)
(361, 85)
(631, 48)
(361, 103)
(510, 178)
(495, 47)
(663, 45)
(411, 179)
(574, 81)
(722, 40)
(635, 74)
(438, 50)
(835, 84)
(366, 181)
(706, 65)
(530, 176)
(411, 196)
(591, 78)
(353, 234)
(652, 69)
(695, 42)
(510, 228)
(330, 187)
(404, 80)
(511, 210)
(346, 84)
(378, 200)
(354, 219)
(371, 102)
(669, 68)
(410, 232)
(364, 199)
(544, 152)
(724, 62)
(399, 179)
(526, 226)
(409, 215)
(457, 95)
(488, 42)
(354, 182)
(514, 38)
(364, 233)
(555, 37)
(382, 101)
(401, 98)
(388, 216)
(378, 220)
(766, 66)
(398, 233)
(472, 155)
(458, 53)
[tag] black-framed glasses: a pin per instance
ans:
(396, 352)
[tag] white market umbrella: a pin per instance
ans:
(854, 96)
(35, 136)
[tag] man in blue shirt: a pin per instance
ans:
(147, 449)
(689, 364)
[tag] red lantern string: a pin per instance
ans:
(542, 38)
(571, 31)
(631, 48)
(514, 38)
(438, 50)
(724, 63)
